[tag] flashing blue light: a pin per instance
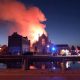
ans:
(53, 48)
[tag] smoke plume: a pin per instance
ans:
(28, 20)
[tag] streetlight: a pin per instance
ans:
(0, 49)
(48, 46)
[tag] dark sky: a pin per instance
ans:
(63, 19)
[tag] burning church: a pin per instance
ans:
(41, 45)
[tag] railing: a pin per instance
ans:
(27, 59)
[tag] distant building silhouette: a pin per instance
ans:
(18, 44)
(62, 47)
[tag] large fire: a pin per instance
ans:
(28, 20)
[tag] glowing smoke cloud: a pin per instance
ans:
(28, 20)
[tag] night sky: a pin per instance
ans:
(63, 20)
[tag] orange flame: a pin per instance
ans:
(27, 19)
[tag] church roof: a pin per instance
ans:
(43, 36)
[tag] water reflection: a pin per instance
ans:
(53, 78)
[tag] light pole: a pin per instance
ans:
(0, 49)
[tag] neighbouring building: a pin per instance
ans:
(62, 48)
(18, 44)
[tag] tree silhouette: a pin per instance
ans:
(72, 48)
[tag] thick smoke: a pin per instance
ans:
(28, 20)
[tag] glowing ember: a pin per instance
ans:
(27, 19)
